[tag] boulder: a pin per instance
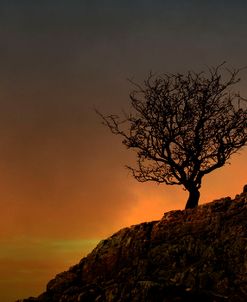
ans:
(191, 255)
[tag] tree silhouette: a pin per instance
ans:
(183, 126)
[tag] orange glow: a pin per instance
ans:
(54, 193)
(63, 185)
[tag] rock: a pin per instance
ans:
(192, 255)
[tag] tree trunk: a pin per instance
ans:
(193, 199)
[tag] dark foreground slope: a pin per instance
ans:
(191, 255)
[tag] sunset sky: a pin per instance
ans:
(63, 185)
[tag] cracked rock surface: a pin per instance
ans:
(190, 255)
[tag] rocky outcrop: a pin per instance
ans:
(192, 255)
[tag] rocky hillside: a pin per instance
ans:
(190, 255)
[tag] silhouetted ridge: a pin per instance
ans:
(192, 255)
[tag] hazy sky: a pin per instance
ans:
(63, 185)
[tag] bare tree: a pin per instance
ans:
(183, 127)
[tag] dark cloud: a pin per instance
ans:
(61, 172)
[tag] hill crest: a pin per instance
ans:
(188, 255)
